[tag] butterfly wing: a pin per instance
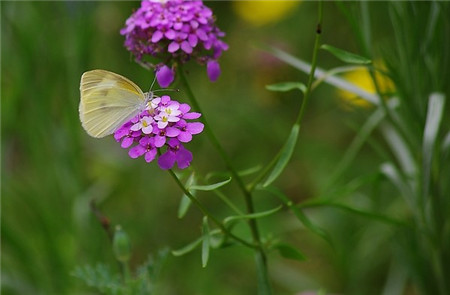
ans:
(107, 101)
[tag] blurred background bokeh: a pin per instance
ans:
(52, 170)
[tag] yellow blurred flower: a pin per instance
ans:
(259, 13)
(361, 77)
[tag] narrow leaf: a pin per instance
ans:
(358, 142)
(205, 243)
(321, 74)
(289, 252)
(188, 248)
(285, 155)
(367, 214)
(400, 149)
(210, 187)
(434, 116)
(298, 213)
(250, 170)
(185, 202)
(287, 86)
(346, 56)
(253, 215)
(389, 170)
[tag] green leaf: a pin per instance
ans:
(321, 74)
(253, 215)
(287, 86)
(188, 248)
(250, 170)
(285, 155)
(210, 187)
(298, 213)
(400, 149)
(205, 243)
(391, 173)
(434, 116)
(185, 202)
(346, 56)
(367, 214)
(355, 146)
(289, 252)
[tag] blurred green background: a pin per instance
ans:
(52, 170)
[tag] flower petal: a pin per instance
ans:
(167, 160)
(137, 151)
(150, 155)
(158, 35)
(186, 47)
(213, 70)
(165, 76)
(191, 116)
(127, 142)
(172, 131)
(183, 158)
(174, 46)
(160, 141)
(195, 127)
(185, 137)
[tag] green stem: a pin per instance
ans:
(206, 212)
(305, 100)
(313, 65)
(264, 285)
(227, 201)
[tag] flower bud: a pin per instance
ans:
(121, 245)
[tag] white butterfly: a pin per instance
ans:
(108, 100)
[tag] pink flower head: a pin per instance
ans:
(164, 124)
(174, 31)
(176, 153)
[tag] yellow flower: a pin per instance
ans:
(361, 77)
(260, 13)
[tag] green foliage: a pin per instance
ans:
(346, 56)
(105, 281)
(287, 86)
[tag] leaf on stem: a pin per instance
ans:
(206, 242)
(298, 213)
(434, 116)
(321, 74)
(188, 248)
(346, 56)
(287, 86)
(185, 202)
(289, 252)
(209, 187)
(285, 155)
(252, 216)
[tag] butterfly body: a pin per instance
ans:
(107, 101)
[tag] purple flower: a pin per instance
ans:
(163, 124)
(174, 31)
(213, 70)
(176, 153)
(165, 76)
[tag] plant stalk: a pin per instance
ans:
(263, 282)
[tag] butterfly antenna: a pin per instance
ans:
(167, 89)
(153, 83)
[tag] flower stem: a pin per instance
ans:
(313, 65)
(206, 212)
(263, 281)
(305, 100)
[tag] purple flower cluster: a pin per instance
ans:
(174, 30)
(162, 123)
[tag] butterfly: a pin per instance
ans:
(108, 100)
